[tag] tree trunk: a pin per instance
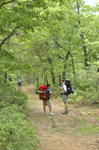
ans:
(73, 67)
(29, 80)
(84, 50)
(46, 80)
(53, 77)
(37, 82)
(82, 38)
(5, 77)
(64, 72)
(59, 79)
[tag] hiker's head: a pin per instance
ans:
(48, 85)
(62, 81)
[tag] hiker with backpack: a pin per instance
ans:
(65, 91)
(44, 92)
(19, 83)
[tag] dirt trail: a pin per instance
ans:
(58, 132)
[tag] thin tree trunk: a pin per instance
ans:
(46, 80)
(59, 79)
(37, 82)
(82, 38)
(5, 77)
(66, 58)
(53, 77)
(78, 7)
(29, 80)
(64, 72)
(84, 50)
(52, 72)
(73, 67)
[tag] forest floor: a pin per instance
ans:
(78, 130)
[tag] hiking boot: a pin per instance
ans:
(65, 112)
(51, 114)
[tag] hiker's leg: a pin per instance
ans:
(50, 106)
(44, 106)
(66, 107)
(64, 98)
(48, 103)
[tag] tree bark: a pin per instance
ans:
(73, 67)
(66, 58)
(53, 77)
(46, 79)
(5, 77)
(59, 79)
(82, 38)
(52, 72)
(84, 50)
(64, 72)
(37, 82)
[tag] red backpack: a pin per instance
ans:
(43, 95)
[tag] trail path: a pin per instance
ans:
(58, 132)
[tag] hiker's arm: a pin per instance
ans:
(60, 88)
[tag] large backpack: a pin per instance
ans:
(69, 88)
(43, 95)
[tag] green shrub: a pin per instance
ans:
(15, 132)
(87, 85)
(9, 95)
(88, 129)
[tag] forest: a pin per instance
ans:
(44, 41)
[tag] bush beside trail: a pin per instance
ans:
(9, 95)
(16, 133)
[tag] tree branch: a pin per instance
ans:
(61, 57)
(64, 57)
(67, 55)
(7, 37)
(78, 7)
(4, 3)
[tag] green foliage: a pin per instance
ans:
(15, 132)
(88, 84)
(44, 40)
(88, 129)
(84, 124)
(9, 95)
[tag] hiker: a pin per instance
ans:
(64, 95)
(19, 83)
(45, 94)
